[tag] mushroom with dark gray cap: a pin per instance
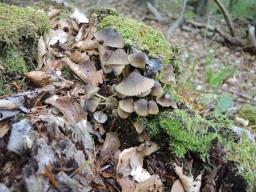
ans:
(137, 59)
(152, 108)
(166, 100)
(126, 105)
(135, 84)
(141, 107)
(122, 114)
(157, 89)
(109, 37)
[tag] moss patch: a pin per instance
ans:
(248, 112)
(144, 37)
(46, 5)
(17, 24)
(187, 131)
(244, 154)
(13, 61)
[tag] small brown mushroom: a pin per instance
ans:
(166, 100)
(157, 89)
(91, 90)
(126, 105)
(141, 107)
(109, 37)
(137, 59)
(91, 104)
(139, 127)
(104, 55)
(135, 84)
(152, 108)
(167, 75)
(118, 57)
(122, 114)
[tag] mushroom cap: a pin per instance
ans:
(118, 57)
(122, 114)
(126, 105)
(104, 55)
(157, 89)
(166, 100)
(117, 69)
(139, 127)
(109, 37)
(111, 103)
(135, 84)
(100, 117)
(145, 93)
(167, 74)
(91, 90)
(141, 107)
(152, 107)
(91, 104)
(137, 59)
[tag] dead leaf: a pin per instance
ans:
(86, 71)
(7, 105)
(132, 158)
(79, 17)
(38, 78)
(20, 131)
(71, 110)
(153, 184)
(4, 128)
(41, 51)
(189, 183)
(127, 184)
(58, 36)
(79, 57)
(63, 25)
(86, 45)
(52, 65)
(110, 145)
(53, 13)
(177, 186)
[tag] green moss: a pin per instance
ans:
(187, 131)
(144, 37)
(13, 62)
(244, 153)
(46, 5)
(248, 112)
(103, 11)
(17, 24)
(20, 29)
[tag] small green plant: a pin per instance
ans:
(216, 79)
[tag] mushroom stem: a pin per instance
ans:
(100, 96)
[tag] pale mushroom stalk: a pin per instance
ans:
(100, 96)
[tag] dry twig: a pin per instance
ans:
(226, 17)
(176, 24)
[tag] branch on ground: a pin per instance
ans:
(226, 17)
(178, 21)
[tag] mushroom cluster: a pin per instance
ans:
(133, 90)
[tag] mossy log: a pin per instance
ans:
(20, 29)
